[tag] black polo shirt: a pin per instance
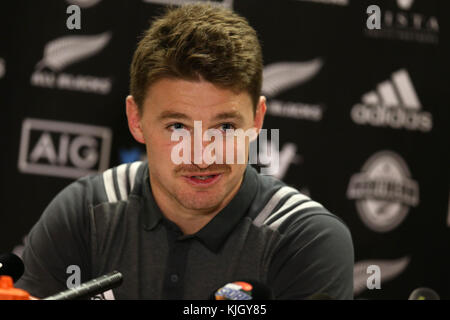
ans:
(269, 232)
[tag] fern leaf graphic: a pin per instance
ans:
(282, 76)
(64, 51)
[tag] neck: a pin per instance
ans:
(188, 220)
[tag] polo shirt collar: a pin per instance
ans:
(214, 234)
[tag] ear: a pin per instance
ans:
(259, 114)
(134, 120)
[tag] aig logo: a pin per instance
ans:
(63, 149)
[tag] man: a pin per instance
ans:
(183, 230)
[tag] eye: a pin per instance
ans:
(227, 126)
(175, 126)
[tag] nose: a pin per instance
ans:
(199, 158)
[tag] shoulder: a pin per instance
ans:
(285, 209)
(314, 251)
(72, 205)
(113, 185)
(118, 183)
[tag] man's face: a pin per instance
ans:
(174, 104)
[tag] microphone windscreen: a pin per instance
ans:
(424, 294)
(243, 290)
(11, 265)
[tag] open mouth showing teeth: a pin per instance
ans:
(203, 180)
(203, 177)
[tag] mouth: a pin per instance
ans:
(202, 179)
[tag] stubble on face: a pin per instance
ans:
(199, 101)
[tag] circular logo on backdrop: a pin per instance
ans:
(405, 4)
(384, 191)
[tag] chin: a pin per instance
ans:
(200, 202)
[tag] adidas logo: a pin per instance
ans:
(393, 104)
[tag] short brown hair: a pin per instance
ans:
(198, 41)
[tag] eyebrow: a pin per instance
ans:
(173, 115)
(221, 116)
(229, 115)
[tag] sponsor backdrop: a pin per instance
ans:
(363, 115)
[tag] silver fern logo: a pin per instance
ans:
(390, 269)
(62, 52)
(65, 51)
(383, 191)
(282, 76)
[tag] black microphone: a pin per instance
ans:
(424, 294)
(90, 288)
(243, 290)
(11, 265)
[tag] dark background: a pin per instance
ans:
(345, 61)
